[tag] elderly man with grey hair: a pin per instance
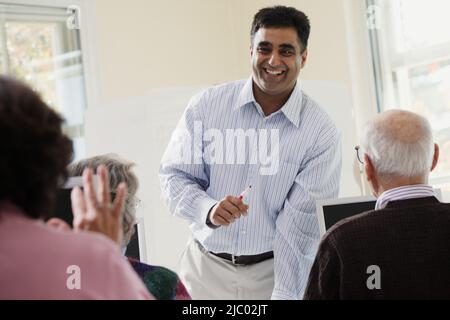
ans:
(402, 248)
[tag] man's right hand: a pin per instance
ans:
(227, 211)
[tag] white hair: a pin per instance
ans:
(395, 155)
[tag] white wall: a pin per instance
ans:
(182, 46)
(159, 44)
(139, 129)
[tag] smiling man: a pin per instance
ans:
(262, 245)
(277, 58)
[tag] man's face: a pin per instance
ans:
(276, 59)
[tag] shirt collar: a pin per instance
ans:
(403, 193)
(291, 108)
(246, 94)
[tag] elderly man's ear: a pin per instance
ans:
(435, 156)
(371, 175)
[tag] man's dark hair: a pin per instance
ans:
(283, 17)
(34, 152)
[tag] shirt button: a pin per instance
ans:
(244, 232)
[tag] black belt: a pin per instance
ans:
(240, 260)
(245, 260)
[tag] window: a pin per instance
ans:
(411, 50)
(39, 47)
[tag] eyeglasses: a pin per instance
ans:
(357, 148)
(137, 203)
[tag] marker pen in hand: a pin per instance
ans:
(244, 193)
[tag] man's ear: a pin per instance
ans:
(304, 57)
(435, 157)
(371, 175)
(251, 50)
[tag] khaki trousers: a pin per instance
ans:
(208, 277)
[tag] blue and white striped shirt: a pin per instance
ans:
(304, 166)
(403, 193)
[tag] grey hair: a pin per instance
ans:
(399, 147)
(119, 171)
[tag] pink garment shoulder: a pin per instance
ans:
(38, 262)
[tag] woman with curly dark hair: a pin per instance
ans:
(37, 261)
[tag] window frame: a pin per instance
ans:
(385, 62)
(87, 41)
(88, 36)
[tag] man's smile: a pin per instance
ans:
(274, 73)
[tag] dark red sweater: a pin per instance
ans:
(409, 241)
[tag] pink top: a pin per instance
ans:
(38, 262)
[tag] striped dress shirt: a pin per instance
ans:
(403, 193)
(304, 166)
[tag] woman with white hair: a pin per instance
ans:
(163, 283)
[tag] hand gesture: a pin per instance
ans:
(94, 211)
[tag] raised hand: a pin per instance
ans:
(93, 211)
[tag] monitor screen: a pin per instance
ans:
(137, 247)
(63, 206)
(133, 246)
(330, 212)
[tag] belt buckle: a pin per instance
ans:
(234, 261)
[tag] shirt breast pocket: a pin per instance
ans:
(277, 186)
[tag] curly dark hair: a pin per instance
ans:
(283, 17)
(34, 152)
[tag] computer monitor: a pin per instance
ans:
(63, 207)
(137, 248)
(331, 211)
(63, 210)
